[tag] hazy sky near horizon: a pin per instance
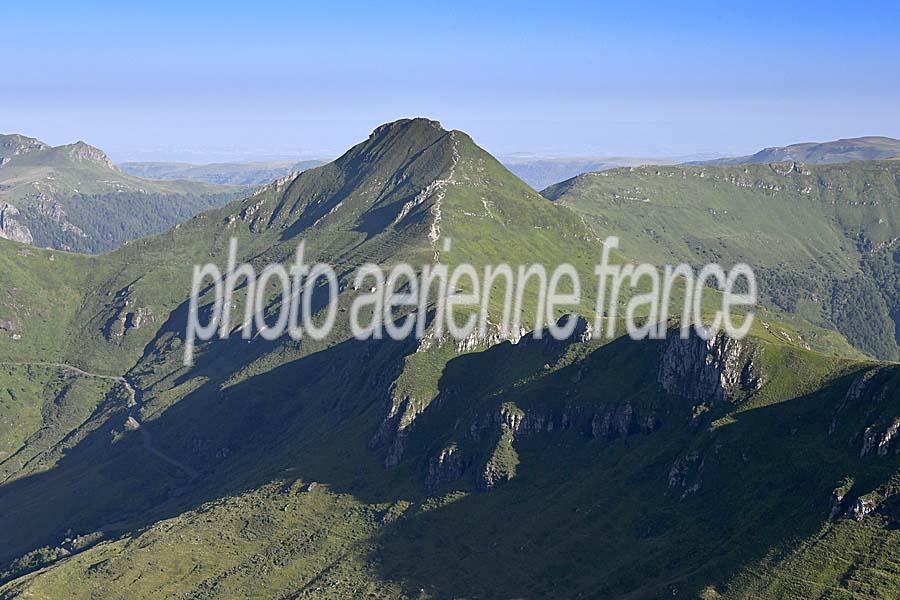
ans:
(239, 80)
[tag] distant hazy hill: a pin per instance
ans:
(228, 173)
(540, 173)
(838, 151)
(72, 197)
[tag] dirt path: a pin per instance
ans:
(134, 410)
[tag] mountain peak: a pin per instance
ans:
(83, 152)
(405, 126)
(15, 144)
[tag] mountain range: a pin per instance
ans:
(72, 197)
(228, 173)
(538, 172)
(496, 467)
(837, 151)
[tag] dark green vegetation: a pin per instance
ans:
(73, 198)
(343, 468)
(229, 173)
(837, 151)
(823, 239)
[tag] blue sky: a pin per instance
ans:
(228, 80)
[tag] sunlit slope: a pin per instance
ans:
(822, 238)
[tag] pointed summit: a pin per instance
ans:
(83, 152)
(372, 186)
(410, 186)
(15, 144)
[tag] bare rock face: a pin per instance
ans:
(134, 320)
(863, 507)
(15, 145)
(879, 440)
(125, 316)
(82, 152)
(868, 393)
(446, 467)
(12, 229)
(474, 341)
(618, 422)
(53, 210)
(707, 371)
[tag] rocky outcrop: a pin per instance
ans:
(82, 152)
(707, 371)
(861, 386)
(685, 474)
(868, 395)
(838, 496)
(879, 439)
(863, 507)
(446, 467)
(53, 211)
(393, 431)
(134, 320)
(622, 421)
(126, 320)
(16, 145)
(125, 316)
(11, 228)
(11, 327)
(474, 341)
(606, 422)
(581, 333)
(496, 433)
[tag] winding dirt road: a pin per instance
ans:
(133, 413)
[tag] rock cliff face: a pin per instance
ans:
(82, 152)
(12, 229)
(15, 145)
(487, 448)
(448, 466)
(125, 316)
(707, 371)
(869, 392)
(481, 447)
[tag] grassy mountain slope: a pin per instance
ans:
(243, 173)
(346, 468)
(822, 239)
(838, 151)
(73, 198)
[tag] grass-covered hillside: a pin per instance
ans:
(494, 468)
(73, 198)
(823, 239)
